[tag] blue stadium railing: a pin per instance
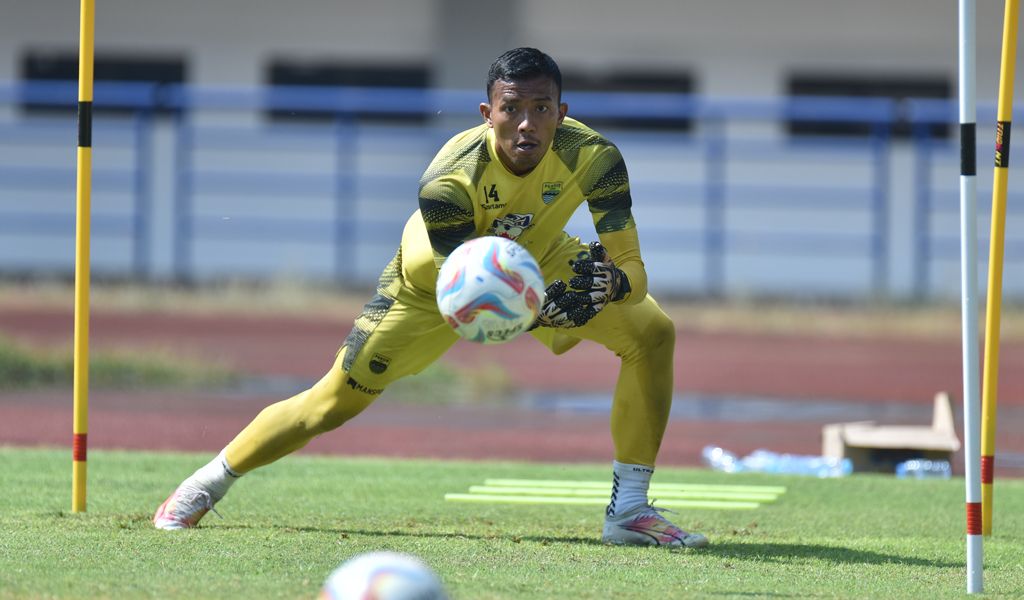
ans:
(55, 137)
(715, 236)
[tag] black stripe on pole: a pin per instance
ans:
(968, 149)
(85, 124)
(1003, 144)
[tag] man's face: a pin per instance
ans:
(524, 116)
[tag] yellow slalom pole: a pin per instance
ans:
(82, 222)
(990, 374)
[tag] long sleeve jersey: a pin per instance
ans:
(467, 192)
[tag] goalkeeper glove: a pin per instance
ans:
(598, 278)
(564, 308)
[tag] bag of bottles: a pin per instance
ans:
(765, 461)
(920, 468)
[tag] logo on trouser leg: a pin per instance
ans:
(362, 388)
(379, 363)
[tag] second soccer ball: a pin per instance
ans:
(383, 576)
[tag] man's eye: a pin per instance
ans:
(542, 109)
(510, 109)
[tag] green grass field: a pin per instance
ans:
(287, 526)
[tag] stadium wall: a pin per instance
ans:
(733, 47)
(742, 48)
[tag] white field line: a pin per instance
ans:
(505, 498)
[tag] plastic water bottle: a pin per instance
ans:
(721, 460)
(764, 461)
(920, 468)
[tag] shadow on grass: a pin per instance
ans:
(725, 550)
(759, 594)
(833, 554)
(345, 532)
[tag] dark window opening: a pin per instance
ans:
(62, 65)
(892, 87)
(282, 72)
(636, 81)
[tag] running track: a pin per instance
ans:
(799, 368)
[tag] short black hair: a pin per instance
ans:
(520, 64)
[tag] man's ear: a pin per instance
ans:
(485, 112)
(563, 109)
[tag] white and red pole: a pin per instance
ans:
(969, 293)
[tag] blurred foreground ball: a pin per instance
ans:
(383, 576)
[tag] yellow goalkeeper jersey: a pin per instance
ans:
(467, 192)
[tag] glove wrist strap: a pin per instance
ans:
(624, 288)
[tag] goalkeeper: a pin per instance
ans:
(521, 175)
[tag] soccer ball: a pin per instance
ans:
(490, 290)
(383, 576)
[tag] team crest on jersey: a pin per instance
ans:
(511, 226)
(550, 191)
